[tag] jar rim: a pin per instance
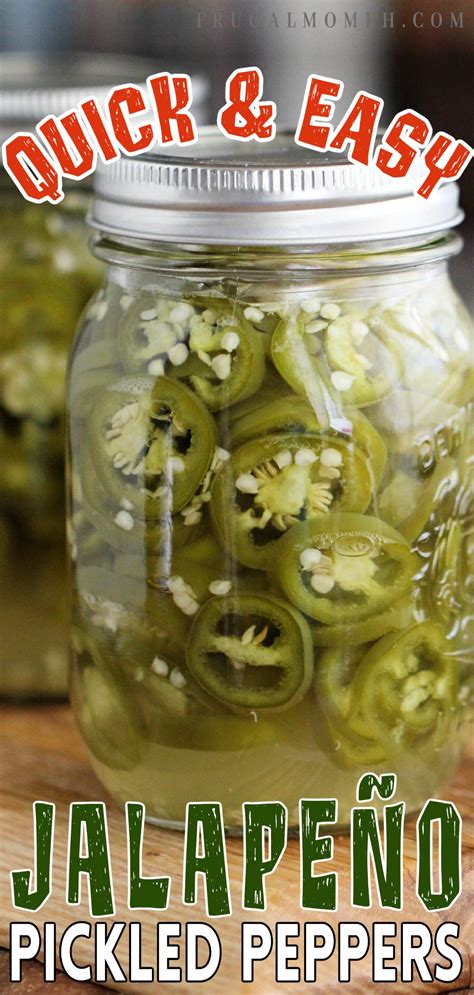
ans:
(274, 193)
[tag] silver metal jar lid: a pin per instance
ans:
(219, 191)
(32, 86)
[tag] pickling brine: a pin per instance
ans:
(270, 522)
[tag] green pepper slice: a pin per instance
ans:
(408, 684)
(360, 364)
(266, 393)
(271, 484)
(132, 621)
(333, 682)
(155, 537)
(399, 695)
(396, 618)
(294, 414)
(409, 499)
(199, 564)
(151, 442)
(206, 341)
(251, 652)
(345, 568)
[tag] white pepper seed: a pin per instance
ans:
(329, 472)
(304, 457)
(311, 307)
(230, 341)
(364, 362)
(220, 586)
(359, 329)
(313, 327)
(330, 311)
(322, 583)
(310, 558)
(125, 503)
(283, 458)
(253, 314)
(190, 607)
(181, 598)
(342, 381)
(149, 315)
(156, 367)
(178, 354)
(204, 357)
(221, 365)
(175, 583)
(209, 316)
(247, 484)
(160, 667)
(177, 679)
(221, 454)
(331, 457)
(181, 312)
(124, 521)
(248, 635)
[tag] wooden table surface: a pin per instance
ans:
(41, 757)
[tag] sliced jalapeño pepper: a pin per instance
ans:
(345, 568)
(151, 442)
(138, 617)
(251, 652)
(155, 537)
(400, 694)
(348, 359)
(396, 618)
(294, 414)
(333, 685)
(407, 687)
(409, 499)
(271, 484)
(205, 341)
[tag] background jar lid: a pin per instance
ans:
(219, 191)
(32, 85)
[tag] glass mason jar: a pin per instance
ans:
(46, 276)
(270, 483)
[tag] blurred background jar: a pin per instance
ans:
(46, 277)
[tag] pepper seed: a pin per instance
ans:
(220, 586)
(247, 484)
(342, 381)
(304, 457)
(124, 521)
(160, 667)
(330, 311)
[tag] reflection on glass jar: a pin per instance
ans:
(268, 517)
